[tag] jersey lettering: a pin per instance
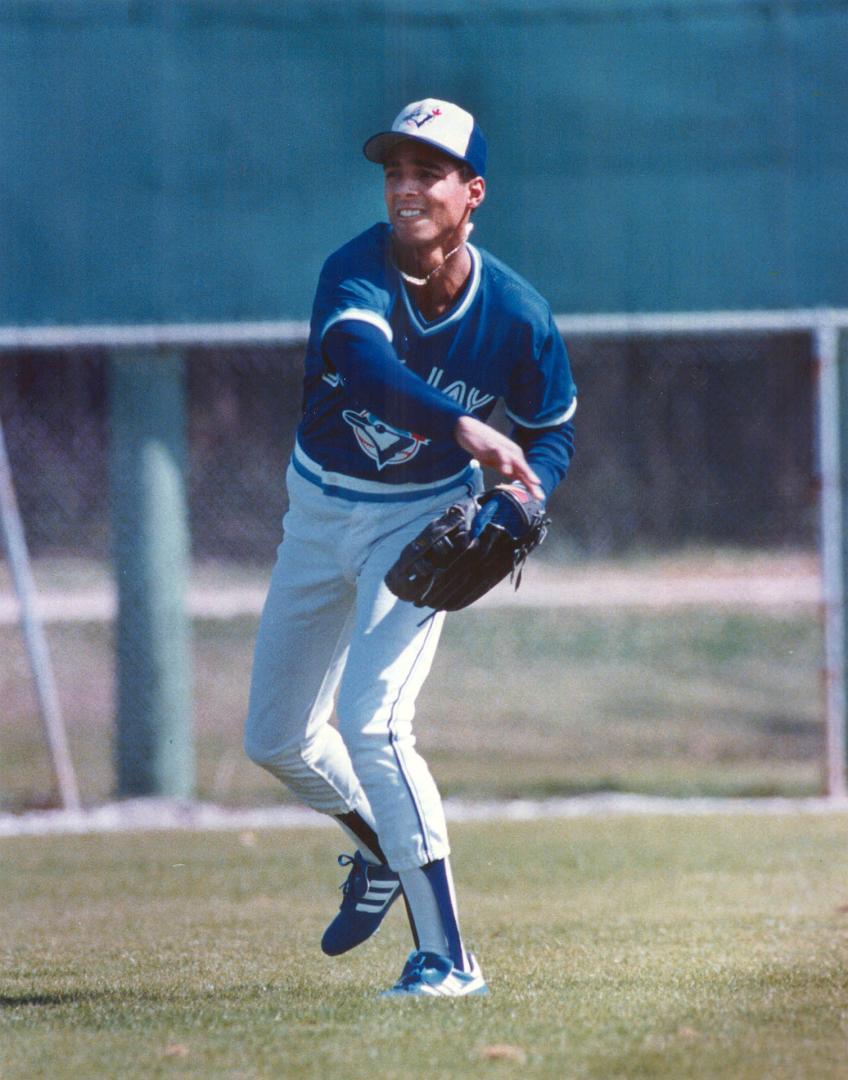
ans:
(499, 341)
(470, 398)
(476, 399)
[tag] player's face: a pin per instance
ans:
(427, 198)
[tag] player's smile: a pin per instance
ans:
(427, 196)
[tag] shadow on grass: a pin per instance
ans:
(69, 997)
(62, 998)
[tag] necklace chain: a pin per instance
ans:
(423, 281)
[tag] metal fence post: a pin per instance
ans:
(832, 358)
(154, 742)
(33, 634)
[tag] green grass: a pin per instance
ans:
(520, 702)
(688, 702)
(712, 948)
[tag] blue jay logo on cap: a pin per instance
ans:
(384, 444)
(439, 123)
(412, 118)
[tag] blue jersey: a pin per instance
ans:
(498, 341)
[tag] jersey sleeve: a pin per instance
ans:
(541, 391)
(353, 284)
(548, 450)
(374, 377)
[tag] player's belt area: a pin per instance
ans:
(356, 489)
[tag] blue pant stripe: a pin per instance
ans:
(437, 876)
(410, 787)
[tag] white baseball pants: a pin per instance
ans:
(331, 630)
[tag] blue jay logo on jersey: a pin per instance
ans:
(384, 444)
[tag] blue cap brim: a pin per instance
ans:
(378, 146)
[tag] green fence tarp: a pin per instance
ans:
(196, 161)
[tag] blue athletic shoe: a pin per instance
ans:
(427, 974)
(369, 892)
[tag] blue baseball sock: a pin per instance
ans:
(430, 895)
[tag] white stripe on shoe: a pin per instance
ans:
(377, 896)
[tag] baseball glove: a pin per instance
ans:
(469, 548)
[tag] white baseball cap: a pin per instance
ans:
(437, 123)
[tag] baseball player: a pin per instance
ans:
(415, 335)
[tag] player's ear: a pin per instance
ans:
(476, 191)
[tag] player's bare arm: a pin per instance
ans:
(496, 451)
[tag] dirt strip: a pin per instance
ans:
(777, 584)
(157, 815)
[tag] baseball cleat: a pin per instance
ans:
(369, 892)
(427, 974)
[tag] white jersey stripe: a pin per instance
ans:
(360, 315)
(316, 474)
(567, 415)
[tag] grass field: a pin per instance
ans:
(673, 948)
(521, 701)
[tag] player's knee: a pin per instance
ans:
(269, 735)
(373, 723)
(258, 752)
(265, 747)
(376, 746)
(283, 756)
(285, 763)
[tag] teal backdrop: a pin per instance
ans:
(197, 160)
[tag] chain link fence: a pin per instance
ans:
(697, 442)
(679, 441)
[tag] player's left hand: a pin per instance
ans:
(469, 549)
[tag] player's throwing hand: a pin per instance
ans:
(496, 451)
